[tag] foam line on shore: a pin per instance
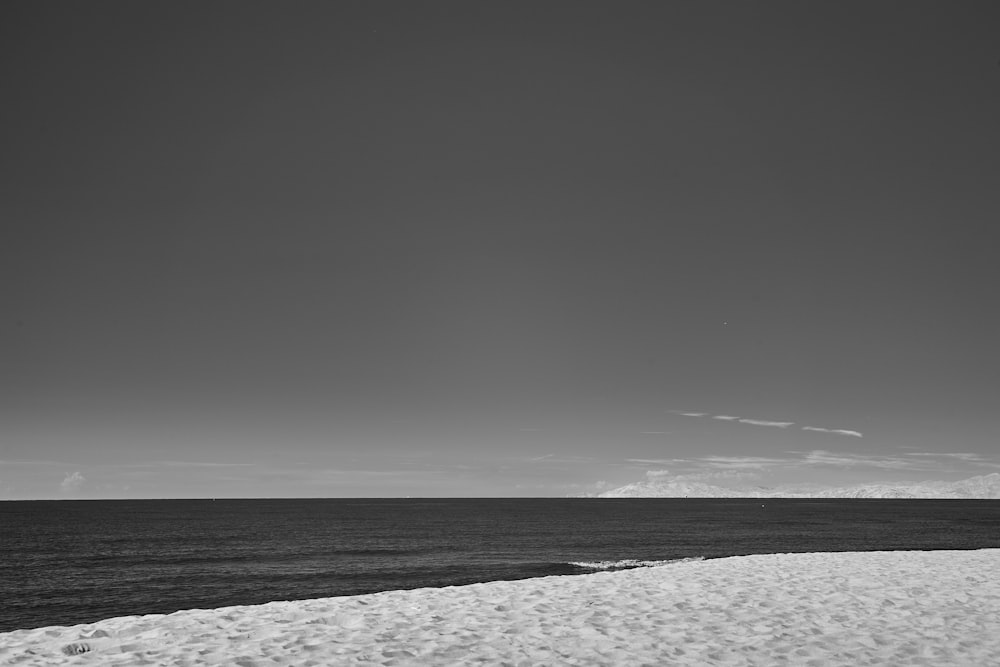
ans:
(627, 563)
(904, 607)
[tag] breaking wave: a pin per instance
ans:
(629, 563)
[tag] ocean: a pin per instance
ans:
(69, 562)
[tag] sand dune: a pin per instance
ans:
(872, 608)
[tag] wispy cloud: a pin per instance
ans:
(696, 483)
(194, 464)
(918, 461)
(31, 462)
(701, 476)
(763, 422)
(848, 460)
(757, 462)
(835, 431)
(565, 458)
(661, 483)
(734, 418)
(348, 476)
(768, 422)
(689, 476)
(794, 460)
(964, 456)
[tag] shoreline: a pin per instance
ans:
(873, 607)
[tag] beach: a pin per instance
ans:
(852, 608)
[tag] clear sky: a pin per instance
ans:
(495, 248)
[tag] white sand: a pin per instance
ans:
(874, 608)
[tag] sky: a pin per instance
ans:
(455, 249)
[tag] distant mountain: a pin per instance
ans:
(982, 487)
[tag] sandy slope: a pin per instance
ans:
(878, 608)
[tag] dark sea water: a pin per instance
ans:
(69, 562)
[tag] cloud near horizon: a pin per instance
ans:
(662, 483)
(847, 460)
(743, 462)
(654, 475)
(72, 482)
(968, 457)
(804, 472)
(657, 461)
(186, 464)
(918, 461)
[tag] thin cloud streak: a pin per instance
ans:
(189, 464)
(783, 470)
(29, 462)
(846, 460)
(817, 457)
(835, 431)
(763, 422)
(567, 458)
(964, 456)
(756, 462)
(768, 422)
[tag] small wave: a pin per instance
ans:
(629, 563)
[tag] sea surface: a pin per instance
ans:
(69, 562)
